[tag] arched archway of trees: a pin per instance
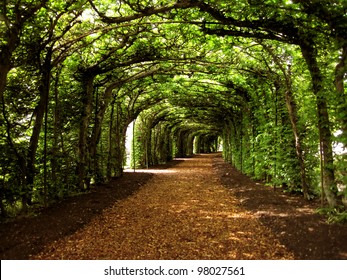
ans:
(264, 78)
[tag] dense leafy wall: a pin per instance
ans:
(269, 81)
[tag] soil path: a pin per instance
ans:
(195, 208)
(181, 213)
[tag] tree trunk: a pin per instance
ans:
(4, 69)
(83, 151)
(340, 71)
(56, 132)
(120, 136)
(293, 116)
(148, 147)
(21, 159)
(109, 168)
(329, 184)
(95, 138)
(34, 140)
(227, 149)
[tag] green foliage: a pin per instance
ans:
(334, 215)
(178, 73)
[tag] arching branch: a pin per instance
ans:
(143, 13)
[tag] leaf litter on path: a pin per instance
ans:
(182, 214)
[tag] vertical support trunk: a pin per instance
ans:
(83, 152)
(45, 144)
(233, 144)
(134, 147)
(5, 67)
(227, 145)
(241, 142)
(182, 143)
(253, 142)
(277, 89)
(168, 148)
(21, 159)
(293, 116)
(340, 71)
(100, 110)
(329, 184)
(56, 131)
(118, 159)
(39, 112)
(149, 146)
(109, 167)
(95, 172)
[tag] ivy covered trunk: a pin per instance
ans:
(84, 159)
(99, 112)
(340, 72)
(292, 110)
(182, 144)
(325, 137)
(293, 116)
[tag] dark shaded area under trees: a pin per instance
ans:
(263, 80)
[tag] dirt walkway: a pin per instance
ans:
(196, 208)
(181, 213)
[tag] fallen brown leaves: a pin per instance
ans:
(182, 214)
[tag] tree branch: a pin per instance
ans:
(144, 13)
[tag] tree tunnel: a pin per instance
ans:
(265, 80)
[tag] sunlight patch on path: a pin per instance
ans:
(181, 214)
(154, 171)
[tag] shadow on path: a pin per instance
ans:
(292, 219)
(27, 236)
(187, 200)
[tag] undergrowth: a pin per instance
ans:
(334, 215)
